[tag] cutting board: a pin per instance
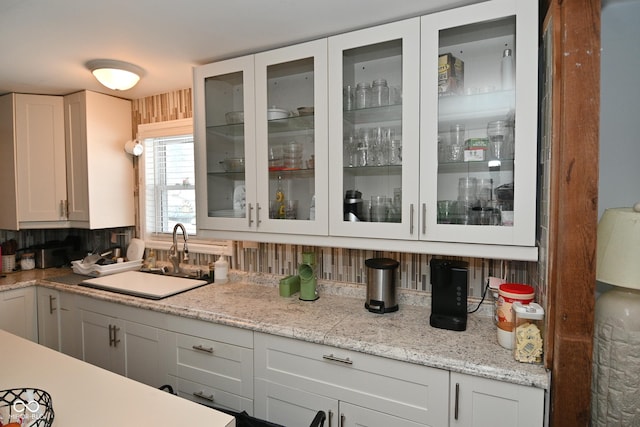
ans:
(146, 285)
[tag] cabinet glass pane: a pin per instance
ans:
(225, 146)
(476, 122)
(291, 148)
(372, 140)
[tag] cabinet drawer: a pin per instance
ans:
(406, 390)
(212, 396)
(216, 364)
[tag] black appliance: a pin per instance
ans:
(353, 205)
(449, 290)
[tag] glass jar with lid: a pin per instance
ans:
(27, 261)
(379, 93)
(363, 95)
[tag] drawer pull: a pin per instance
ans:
(200, 347)
(201, 395)
(333, 358)
(330, 417)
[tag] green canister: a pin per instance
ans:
(308, 279)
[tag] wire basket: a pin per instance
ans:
(31, 407)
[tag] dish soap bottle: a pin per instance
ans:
(151, 259)
(221, 270)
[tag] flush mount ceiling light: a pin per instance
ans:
(116, 75)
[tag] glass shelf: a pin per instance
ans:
(388, 113)
(373, 170)
(475, 110)
(475, 167)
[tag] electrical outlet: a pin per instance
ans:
(495, 282)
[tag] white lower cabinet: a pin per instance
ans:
(18, 312)
(295, 379)
(102, 341)
(290, 407)
(57, 321)
(49, 318)
(114, 338)
(213, 364)
(480, 402)
(205, 362)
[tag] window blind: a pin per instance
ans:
(169, 184)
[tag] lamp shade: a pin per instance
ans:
(116, 75)
(618, 261)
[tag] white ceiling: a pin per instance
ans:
(45, 44)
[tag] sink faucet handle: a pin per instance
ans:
(186, 252)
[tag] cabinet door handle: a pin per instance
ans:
(200, 347)
(113, 336)
(258, 214)
(250, 207)
(411, 218)
(330, 417)
(424, 218)
(51, 307)
(333, 358)
(455, 408)
(341, 420)
(201, 394)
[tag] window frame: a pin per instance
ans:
(164, 241)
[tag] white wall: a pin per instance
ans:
(620, 105)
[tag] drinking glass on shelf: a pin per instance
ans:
(379, 208)
(455, 147)
(395, 152)
(291, 209)
(348, 98)
(500, 133)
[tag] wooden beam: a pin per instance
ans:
(574, 206)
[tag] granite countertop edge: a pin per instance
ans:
(337, 325)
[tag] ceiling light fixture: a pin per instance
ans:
(116, 75)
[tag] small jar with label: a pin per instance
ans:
(27, 261)
(528, 332)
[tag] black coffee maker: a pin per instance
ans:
(353, 206)
(449, 289)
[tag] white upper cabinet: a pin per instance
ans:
(421, 136)
(63, 163)
(100, 176)
(261, 142)
(32, 160)
(374, 130)
(478, 152)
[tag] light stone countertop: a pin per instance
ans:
(338, 318)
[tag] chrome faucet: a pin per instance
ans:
(173, 251)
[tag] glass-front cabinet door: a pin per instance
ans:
(374, 131)
(224, 130)
(291, 139)
(479, 124)
(263, 118)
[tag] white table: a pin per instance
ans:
(85, 395)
